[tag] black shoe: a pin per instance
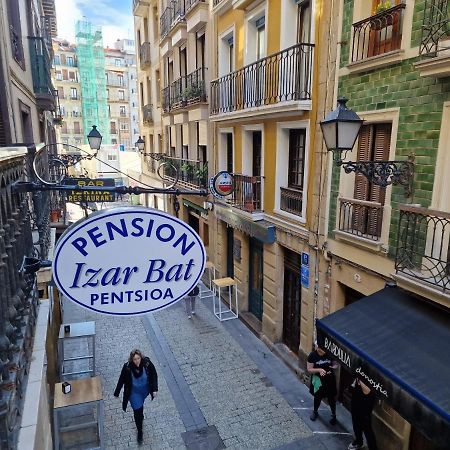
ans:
(314, 416)
(333, 420)
(140, 438)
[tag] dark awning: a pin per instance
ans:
(399, 345)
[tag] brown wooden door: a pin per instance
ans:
(291, 301)
(255, 292)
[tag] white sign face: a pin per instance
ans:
(128, 261)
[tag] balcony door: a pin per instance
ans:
(229, 152)
(291, 300)
(255, 270)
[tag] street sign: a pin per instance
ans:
(304, 277)
(305, 259)
(89, 196)
(128, 261)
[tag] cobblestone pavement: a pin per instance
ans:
(210, 374)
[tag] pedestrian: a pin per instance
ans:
(189, 301)
(323, 381)
(139, 378)
(363, 401)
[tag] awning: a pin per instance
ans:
(399, 345)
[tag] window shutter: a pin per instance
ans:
(185, 131)
(202, 133)
(173, 136)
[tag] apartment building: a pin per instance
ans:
(394, 68)
(66, 78)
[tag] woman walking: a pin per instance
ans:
(139, 378)
(189, 301)
(323, 381)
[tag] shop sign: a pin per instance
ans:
(221, 185)
(128, 261)
(89, 196)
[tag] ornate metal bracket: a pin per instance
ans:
(155, 156)
(71, 159)
(384, 173)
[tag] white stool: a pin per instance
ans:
(227, 313)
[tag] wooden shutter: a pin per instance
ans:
(202, 133)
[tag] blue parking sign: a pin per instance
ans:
(304, 277)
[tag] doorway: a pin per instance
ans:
(230, 247)
(256, 277)
(292, 300)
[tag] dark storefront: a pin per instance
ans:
(397, 345)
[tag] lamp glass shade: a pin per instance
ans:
(329, 134)
(347, 134)
(140, 144)
(94, 138)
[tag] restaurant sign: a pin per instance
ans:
(128, 261)
(76, 196)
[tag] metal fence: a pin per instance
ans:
(247, 192)
(435, 27)
(291, 201)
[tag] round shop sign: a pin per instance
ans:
(128, 261)
(221, 185)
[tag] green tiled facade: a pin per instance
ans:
(420, 100)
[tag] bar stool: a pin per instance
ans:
(227, 313)
(211, 271)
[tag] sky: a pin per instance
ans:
(114, 16)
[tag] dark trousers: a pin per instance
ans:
(139, 418)
(319, 395)
(362, 423)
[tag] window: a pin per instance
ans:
(231, 54)
(120, 80)
(112, 157)
(117, 62)
(107, 94)
(296, 169)
(121, 95)
(57, 60)
(76, 128)
(77, 141)
(72, 76)
(200, 50)
(16, 32)
(113, 127)
(58, 76)
(260, 37)
(304, 22)
(69, 61)
(113, 141)
(61, 93)
(123, 111)
(73, 93)
(124, 127)
(109, 110)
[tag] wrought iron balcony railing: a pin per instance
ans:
(361, 218)
(191, 3)
(280, 77)
(423, 246)
(40, 69)
(435, 27)
(165, 95)
(165, 22)
(191, 173)
(247, 194)
(147, 116)
(216, 2)
(144, 55)
(172, 15)
(378, 34)
(177, 88)
(291, 201)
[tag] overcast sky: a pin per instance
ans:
(114, 16)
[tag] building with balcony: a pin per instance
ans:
(393, 66)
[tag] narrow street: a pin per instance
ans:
(219, 386)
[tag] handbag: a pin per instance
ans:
(194, 292)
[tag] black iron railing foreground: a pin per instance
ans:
(360, 218)
(20, 214)
(423, 246)
(280, 77)
(247, 193)
(435, 27)
(378, 34)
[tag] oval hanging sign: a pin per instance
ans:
(128, 261)
(222, 184)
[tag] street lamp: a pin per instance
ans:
(340, 129)
(94, 138)
(140, 144)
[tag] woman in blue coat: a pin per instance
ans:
(139, 378)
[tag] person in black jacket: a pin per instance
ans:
(139, 378)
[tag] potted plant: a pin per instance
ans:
(201, 173)
(382, 6)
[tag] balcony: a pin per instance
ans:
(378, 34)
(247, 194)
(423, 250)
(174, 14)
(435, 42)
(147, 116)
(144, 55)
(276, 79)
(360, 218)
(195, 87)
(291, 201)
(189, 4)
(191, 173)
(40, 67)
(140, 7)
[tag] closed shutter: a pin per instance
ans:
(202, 133)
(173, 136)
(185, 131)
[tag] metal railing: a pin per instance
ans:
(247, 193)
(378, 34)
(360, 218)
(165, 22)
(20, 216)
(423, 245)
(147, 116)
(191, 173)
(216, 2)
(145, 55)
(280, 77)
(165, 97)
(195, 86)
(177, 88)
(191, 3)
(291, 201)
(435, 27)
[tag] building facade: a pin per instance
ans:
(394, 69)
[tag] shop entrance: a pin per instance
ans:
(255, 270)
(230, 245)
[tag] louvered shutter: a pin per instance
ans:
(361, 191)
(202, 133)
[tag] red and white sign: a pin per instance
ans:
(222, 184)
